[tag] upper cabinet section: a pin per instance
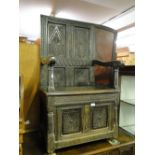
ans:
(76, 40)
(74, 45)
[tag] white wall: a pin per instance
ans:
(127, 108)
(127, 87)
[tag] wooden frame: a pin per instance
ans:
(69, 113)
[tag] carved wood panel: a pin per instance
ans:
(71, 121)
(81, 42)
(59, 76)
(99, 117)
(56, 39)
(81, 76)
(75, 44)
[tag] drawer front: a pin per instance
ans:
(72, 100)
(69, 99)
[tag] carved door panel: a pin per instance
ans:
(101, 114)
(70, 121)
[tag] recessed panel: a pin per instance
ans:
(56, 39)
(99, 117)
(82, 42)
(59, 76)
(81, 76)
(104, 52)
(71, 121)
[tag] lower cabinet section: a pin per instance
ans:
(78, 119)
(85, 120)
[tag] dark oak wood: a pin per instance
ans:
(74, 45)
(78, 118)
(77, 108)
(127, 70)
(115, 64)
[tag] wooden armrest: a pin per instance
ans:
(115, 64)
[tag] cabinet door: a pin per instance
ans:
(101, 114)
(70, 121)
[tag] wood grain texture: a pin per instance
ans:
(74, 45)
(81, 111)
(104, 52)
(75, 117)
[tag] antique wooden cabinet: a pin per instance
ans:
(79, 82)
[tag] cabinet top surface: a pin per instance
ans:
(80, 91)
